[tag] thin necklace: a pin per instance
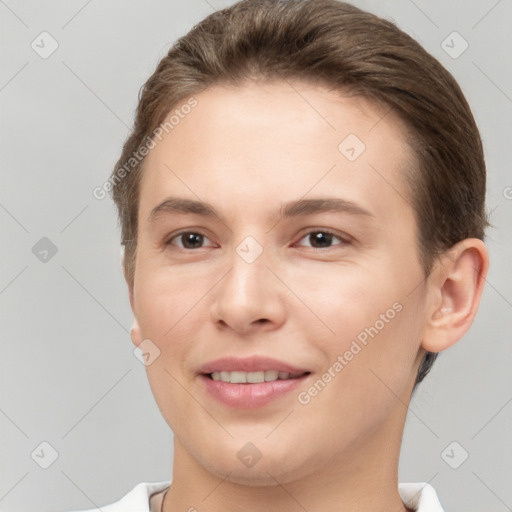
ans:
(163, 499)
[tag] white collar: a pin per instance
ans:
(420, 497)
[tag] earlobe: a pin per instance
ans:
(135, 333)
(457, 285)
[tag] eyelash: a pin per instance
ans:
(343, 240)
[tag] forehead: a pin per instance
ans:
(263, 144)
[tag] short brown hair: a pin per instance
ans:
(347, 49)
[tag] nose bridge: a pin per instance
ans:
(248, 293)
(248, 282)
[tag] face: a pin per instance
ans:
(300, 265)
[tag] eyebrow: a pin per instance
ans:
(297, 208)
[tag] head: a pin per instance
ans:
(270, 102)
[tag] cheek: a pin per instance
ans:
(167, 309)
(350, 301)
(374, 333)
(167, 298)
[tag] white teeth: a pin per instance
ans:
(271, 375)
(255, 377)
(252, 377)
(237, 377)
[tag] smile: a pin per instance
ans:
(241, 377)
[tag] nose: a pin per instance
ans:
(249, 298)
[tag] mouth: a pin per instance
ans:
(257, 377)
(251, 382)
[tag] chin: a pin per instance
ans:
(277, 464)
(260, 475)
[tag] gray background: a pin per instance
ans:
(68, 373)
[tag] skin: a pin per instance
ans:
(246, 151)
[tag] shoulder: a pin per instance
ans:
(136, 500)
(420, 497)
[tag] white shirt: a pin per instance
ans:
(420, 497)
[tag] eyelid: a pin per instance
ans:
(345, 239)
(170, 238)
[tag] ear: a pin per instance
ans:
(135, 334)
(457, 283)
(135, 330)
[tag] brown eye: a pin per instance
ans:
(188, 240)
(322, 239)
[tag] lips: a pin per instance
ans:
(249, 364)
(250, 382)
